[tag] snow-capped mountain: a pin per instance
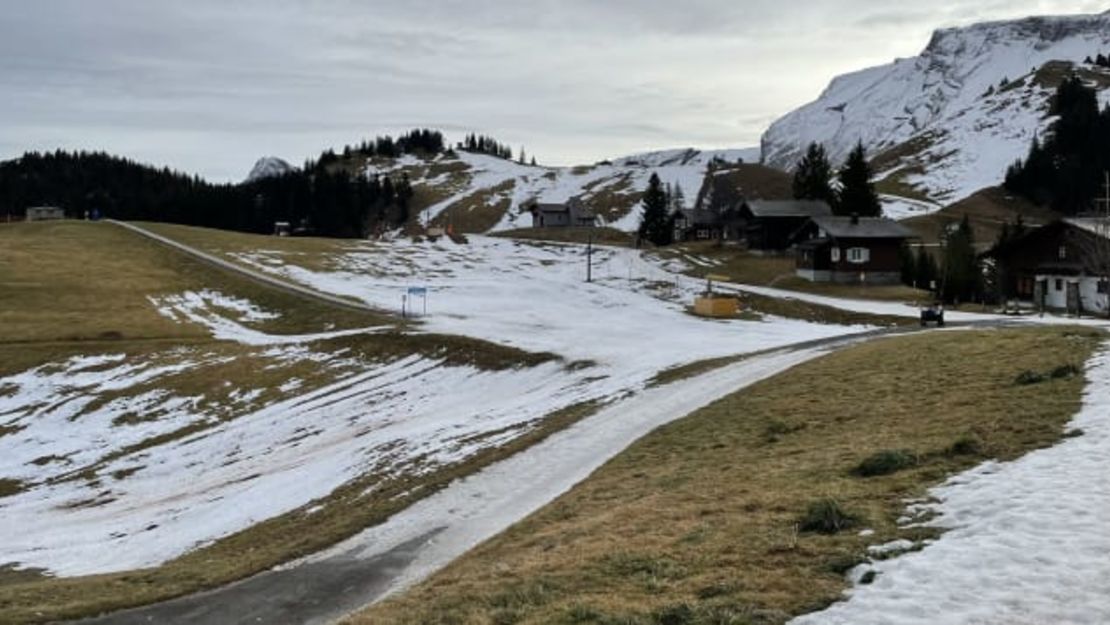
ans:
(948, 122)
(269, 167)
(480, 193)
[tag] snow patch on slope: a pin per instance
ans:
(1026, 540)
(939, 100)
(621, 181)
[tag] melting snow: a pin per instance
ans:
(1026, 540)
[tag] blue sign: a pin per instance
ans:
(418, 290)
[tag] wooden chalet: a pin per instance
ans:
(769, 225)
(850, 250)
(1064, 265)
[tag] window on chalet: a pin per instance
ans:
(834, 254)
(859, 255)
(1103, 287)
(1059, 284)
(1062, 252)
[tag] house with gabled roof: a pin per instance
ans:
(572, 213)
(850, 250)
(769, 225)
(1064, 265)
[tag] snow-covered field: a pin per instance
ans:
(1026, 541)
(147, 501)
(535, 296)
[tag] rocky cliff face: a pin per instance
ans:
(946, 123)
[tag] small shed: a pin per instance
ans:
(45, 213)
(770, 224)
(851, 250)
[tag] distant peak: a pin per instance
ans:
(269, 167)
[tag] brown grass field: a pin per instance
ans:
(698, 522)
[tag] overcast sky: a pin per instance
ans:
(209, 86)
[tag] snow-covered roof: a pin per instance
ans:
(789, 208)
(1096, 225)
(863, 228)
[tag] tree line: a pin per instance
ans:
(1066, 170)
(482, 144)
(1100, 60)
(322, 200)
(418, 141)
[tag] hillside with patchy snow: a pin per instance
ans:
(948, 122)
(481, 193)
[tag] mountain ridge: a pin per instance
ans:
(948, 122)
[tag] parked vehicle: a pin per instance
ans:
(934, 314)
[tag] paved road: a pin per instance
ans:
(313, 593)
(423, 538)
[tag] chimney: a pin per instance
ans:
(855, 219)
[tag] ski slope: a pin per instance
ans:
(147, 502)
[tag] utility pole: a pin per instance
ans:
(589, 258)
(1105, 201)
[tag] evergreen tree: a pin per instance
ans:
(533, 161)
(961, 277)
(926, 268)
(813, 176)
(907, 266)
(857, 195)
(655, 224)
(1066, 170)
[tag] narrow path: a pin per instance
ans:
(425, 537)
(250, 274)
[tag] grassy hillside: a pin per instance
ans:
(77, 292)
(77, 286)
(705, 520)
(986, 210)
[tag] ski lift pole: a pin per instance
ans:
(589, 258)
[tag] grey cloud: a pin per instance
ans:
(208, 86)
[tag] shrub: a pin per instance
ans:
(1064, 371)
(1027, 377)
(680, 614)
(966, 445)
(825, 516)
(886, 462)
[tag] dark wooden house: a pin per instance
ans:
(572, 213)
(695, 224)
(769, 225)
(850, 250)
(1064, 265)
